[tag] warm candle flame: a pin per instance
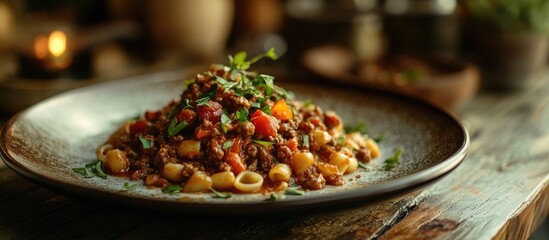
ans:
(41, 46)
(57, 43)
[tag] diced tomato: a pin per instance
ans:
(201, 133)
(292, 144)
(264, 124)
(211, 112)
(187, 115)
(234, 160)
(315, 120)
(152, 116)
(138, 127)
(331, 120)
(236, 146)
(281, 110)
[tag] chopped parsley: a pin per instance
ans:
(91, 170)
(305, 140)
(187, 104)
(239, 60)
(147, 143)
(172, 189)
(293, 191)
(224, 122)
(308, 103)
(380, 138)
(205, 101)
(364, 166)
(276, 197)
(128, 187)
(175, 127)
(242, 115)
(211, 94)
(263, 143)
(227, 144)
(188, 82)
(255, 105)
(359, 127)
(393, 161)
(223, 195)
(340, 140)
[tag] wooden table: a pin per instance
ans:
(500, 191)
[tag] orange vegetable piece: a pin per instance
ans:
(234, 160)
(265, 125)
(281, 110)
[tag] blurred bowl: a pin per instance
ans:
(448, 83)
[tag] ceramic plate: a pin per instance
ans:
(44, 142)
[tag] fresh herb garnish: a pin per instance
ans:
(227, 144)
(308, 103)
(255, 105)
(128, 187)
(224, 122)
(380, 138)
(175, 127)
(147, 143)
(188, 82)
(223, 195)
(91, 170)
(276, 197)
(293, 191)
(227, 85)
(205, 101)
(393, 161)
(266, 109)
(211, 94)
(340, 140)
(172, 189)
(242, 115)
(239, 60)
(187, 104)
(364, 166)
(359, 127)
(305, 140)
(263, 143)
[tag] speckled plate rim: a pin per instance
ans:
(383, 190)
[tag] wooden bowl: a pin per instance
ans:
(450, 83)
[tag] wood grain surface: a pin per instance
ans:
(501, 191)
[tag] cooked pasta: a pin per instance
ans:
(248, 181)
(223, 180)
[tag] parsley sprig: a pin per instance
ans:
(128, 187)
(175, 127)
(147, 143)
(263, 143)
(223, 195)
(91, 170)
(393, 161)
(239, 60)
(359, 127)
(172, 189)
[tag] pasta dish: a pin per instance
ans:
(233, 130)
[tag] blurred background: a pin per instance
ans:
(441, 50)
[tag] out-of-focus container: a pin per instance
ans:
(422, 27)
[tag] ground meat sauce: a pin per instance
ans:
(230, 121)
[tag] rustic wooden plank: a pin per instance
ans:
(499, 191)
(12, 185)
(84, 220)
(19, 217)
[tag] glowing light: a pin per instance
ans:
(57, 43)
(41, 46)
